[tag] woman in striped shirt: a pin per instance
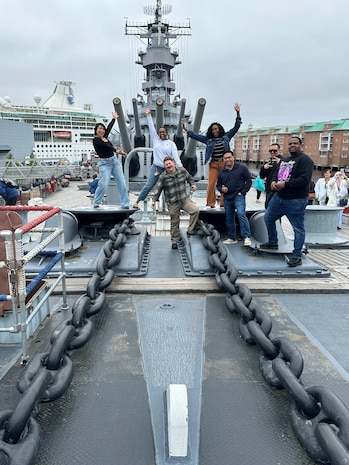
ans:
(217, 142)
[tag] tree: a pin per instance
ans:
(32, 160)
(10, 159)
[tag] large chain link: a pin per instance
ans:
(48, 375)
(319, 418)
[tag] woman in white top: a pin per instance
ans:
(162, 147)
(321, 187)
(337, 189)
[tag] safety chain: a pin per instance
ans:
(48, 375)
(320, 420)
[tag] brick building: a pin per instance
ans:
(327, 143)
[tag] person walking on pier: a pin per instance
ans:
(217, 142)
(268, 171)
(321, 191)
(108, 164)
(337, 191)
(162, 147)
(291, 186)
(234, 181)
(173, 182)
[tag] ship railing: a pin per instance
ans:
(24, 310)
(28, 174)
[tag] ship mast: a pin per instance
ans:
(158, 59)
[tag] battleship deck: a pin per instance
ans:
(107, 414)
(333, 258)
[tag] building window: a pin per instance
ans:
(256, 143)
(325, 141)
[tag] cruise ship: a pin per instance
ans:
(62, 130)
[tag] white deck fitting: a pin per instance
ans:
(177, 420)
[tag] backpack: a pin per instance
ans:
(9, 182)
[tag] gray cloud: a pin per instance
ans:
(286, 63)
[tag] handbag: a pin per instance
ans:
(259, 184)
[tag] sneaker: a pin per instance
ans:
(294, 261)
(126, 207)
(267, 245)
(230, 241)
(95, 206)
(247, 242)
(174, 246)
(136, 206)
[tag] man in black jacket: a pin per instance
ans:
(291, 186)
(268, 171)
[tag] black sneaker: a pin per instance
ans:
(293, 261)
(267, 245)
(174, 246)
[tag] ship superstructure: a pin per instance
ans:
(158, 59)
(62, 130)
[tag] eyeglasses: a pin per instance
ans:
(272, 151)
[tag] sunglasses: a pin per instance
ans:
(272, 151)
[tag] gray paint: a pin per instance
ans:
(17, 135)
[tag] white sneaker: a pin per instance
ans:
(230, 241)
(247, 242)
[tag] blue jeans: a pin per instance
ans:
(294, 210)
(238, 204)
(151, 181)
(111, 167)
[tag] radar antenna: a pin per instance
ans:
(158, 11)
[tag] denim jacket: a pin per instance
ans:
(210, 143)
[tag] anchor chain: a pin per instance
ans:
(48, 375)
(320, 420)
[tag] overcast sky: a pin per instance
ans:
(285, 62)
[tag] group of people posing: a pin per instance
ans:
(169, 176)
(287, 182)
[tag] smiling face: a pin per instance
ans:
(162, 133)
(215, 130)
(100, 130)
(170, 166)
(294, 146)
(228, 160)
